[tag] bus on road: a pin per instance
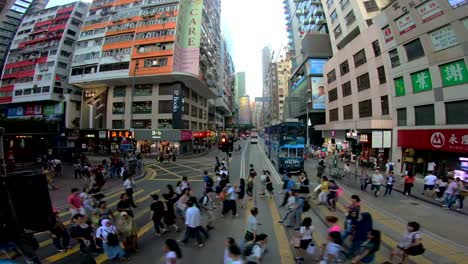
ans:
(286, 146)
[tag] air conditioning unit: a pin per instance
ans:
(93, 70)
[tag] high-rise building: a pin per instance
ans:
(226, 100)
(284, 72)
(244, 111)
(11, 14)
(257, 121)
(239, 91)
(149, 65)
(35, 77)
(266, 58)
(355, 92)
(424, 46)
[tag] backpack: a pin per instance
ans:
(209, 182)
(204, 200)
(112, 239)
(249, 249)
(390, 166)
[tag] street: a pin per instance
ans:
(444, 235)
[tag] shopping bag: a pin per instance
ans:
(311, 249)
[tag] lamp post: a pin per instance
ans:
(131, 102)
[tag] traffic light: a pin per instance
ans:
(224, 144)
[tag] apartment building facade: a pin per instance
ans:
(425, 45)
(284, 72)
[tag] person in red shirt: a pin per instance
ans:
(75, 202)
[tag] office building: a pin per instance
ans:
(284, 72)
(245, 116)
(239, 91)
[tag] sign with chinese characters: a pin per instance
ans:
(457, 3)
(177, 107)
(421, 81)
(119, 134)
(364, 138)
(429, 11)
(451, 140)
(399, 86)
(405, 23)
(443, 38)
(388, 35)
(454, 73)
(387, 139)
(381, 139)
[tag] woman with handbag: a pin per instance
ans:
(306, 245)
(411, 244)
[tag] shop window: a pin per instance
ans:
(344, 68)
(424, 115)
(141, 123)
(194, 111)
(193, 125)
(119, 91)
(384, 105)
(363, 82)
(165, 106)
(360, 58)
(401, 117)
(165, 89)
(348, 112)
(333, 114)
(414, 50)
(144, 90)
(333, 95)
(117, 124)
(331, 76)
(346, 89)
(118, 108)
(456, 113)
(376, 48)
(200, 113)
(165, 123)
(381, 74)
(186, 109)
(144, 107)
(114, 66)
(365, 108)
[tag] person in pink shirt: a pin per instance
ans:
(332, 222)
(75, 202)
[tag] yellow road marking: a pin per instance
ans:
(180, 172)
(175, 180)
(170, 172)
(284, 248)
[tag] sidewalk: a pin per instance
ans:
(354, 180)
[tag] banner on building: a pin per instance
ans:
(443, 38)
(405, 23)
(388, 35)
(429, 11)
(318, 93)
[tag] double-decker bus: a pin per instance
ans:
(286, 146)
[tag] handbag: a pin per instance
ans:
(310, 249)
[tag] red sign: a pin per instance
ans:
(29, 110)
(185, 135)
(199, 134)
(387, 31)
(114, 134)
(452, 140)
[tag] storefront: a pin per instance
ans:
(153, 141)
(92, 140)
(447, 148)
(120, 140)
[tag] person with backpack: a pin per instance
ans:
(389, 166)
(206, 205)
(254, 252)
(389, 183)
(209, 185)
(368, 248)
(332, 252)
(411, 244)
(111, 243)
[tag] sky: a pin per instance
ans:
(248, 26)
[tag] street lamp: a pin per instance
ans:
(132, 98)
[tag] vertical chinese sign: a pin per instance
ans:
(399, 87)
(454, 73)
(421, 81)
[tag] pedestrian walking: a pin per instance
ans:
(389, 182)
(181, 204)
(368, 248)
(228, 243)
(59, 234)
(377, 180)
(252, 172)
(185, 183)
(129, 185)
(290, 185)
(291, 207)
(252, 223)
(192, 223)
(157, 214)
(441, 186)
(255, 252)
(124, 205)
(364, 180)
(332, 222)
(75, 203)
(457, 195)
(262, 188)
(408, 183)
(128, 233)
(332, 251)
(206, 205)
(332, 196)
(285, 182)
(320, 169)
(389, 166)
(103, 212)
(429, 183)
(305, 238)
(250, 186)
(241, 193)
(235, 253)
(169, 213)
(83, 233)
(172, 252)
(323, 191)
(269, 185)
(109, 235)
(411, 245)
(363, 226)
(304, 188)
(229, 203)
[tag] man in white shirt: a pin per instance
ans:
(192, 223)
(377, 179)
(129, 185)
(229, 204)
(429, 182)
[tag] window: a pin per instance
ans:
(348, 112)
(360, 58)
(119, 91)
(401, 117)
(142, 107)
(165, 106)
(333, 95)
(365, 108)
(142, 123)
(331, 76)
(116, 53)
(350, 18)
(186, 108)
(118, 108)
(456, 113)
(165, 89)
(194, 111)
(333, 115)
(363, 82)
(346, 89)
(384, 105)
(193, 125)
(200, 113)
(71, 32)
(86, 69)
(376, 48)
(117, 124)
(333, 16)
(144, 90)
(344, 4)
(381, 73)
(329, 3)
(394, 58)
(424, 115)
(337, 31)
(114, 66)
(371, 6)
(118, 38)
(344, 68)
(155, 62)
(414, 50)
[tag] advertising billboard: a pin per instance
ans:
(316, 66)
(318, 93)
(244, 111)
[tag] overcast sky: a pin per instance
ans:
(248, 25)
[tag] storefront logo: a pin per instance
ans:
(156, 134)
(437, 140)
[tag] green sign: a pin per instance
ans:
(421, 81)
(454, 73)
(53, 109)
(399, 86)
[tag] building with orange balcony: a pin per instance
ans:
(149, 65)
